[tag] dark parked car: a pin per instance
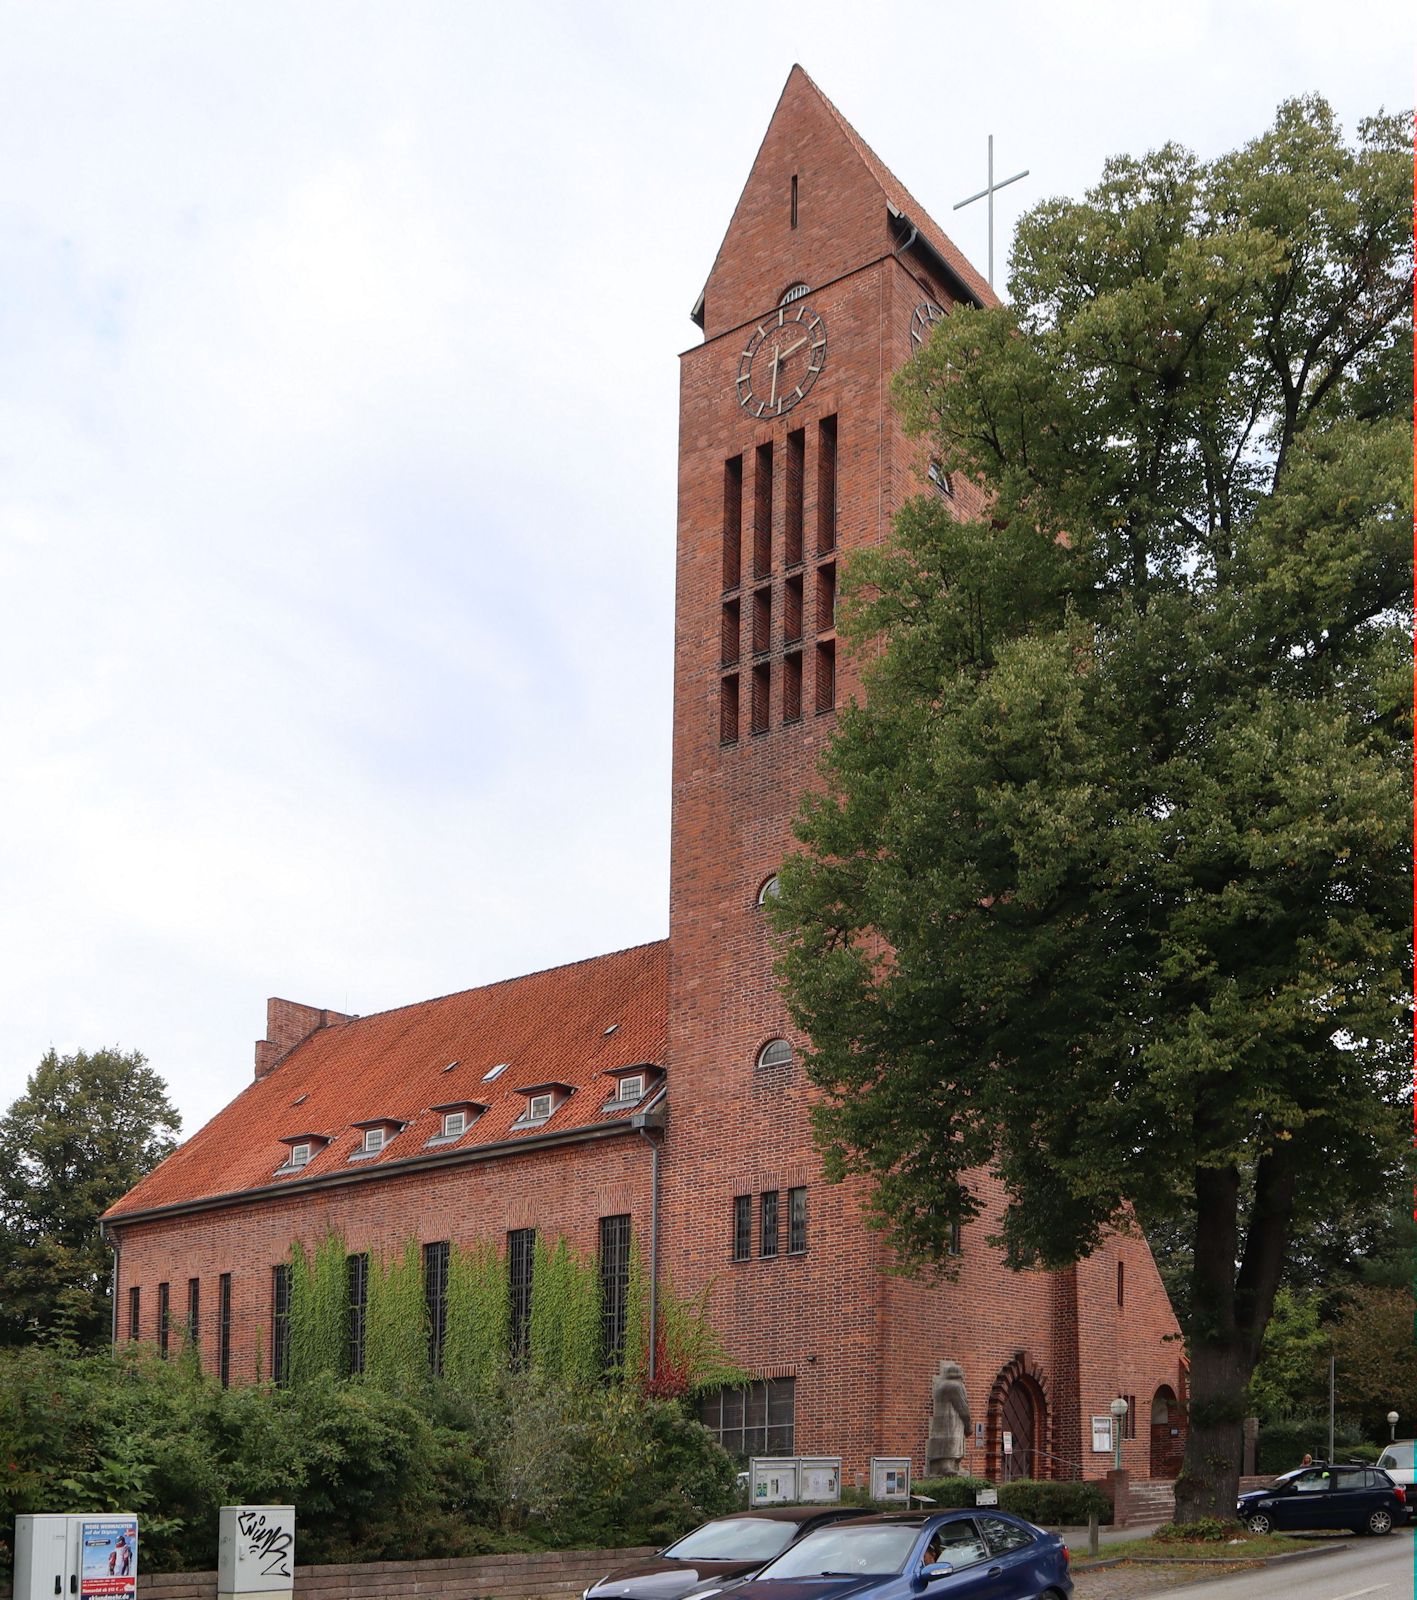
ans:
(1362, 1498)
(962, 1555)
(726, 1550)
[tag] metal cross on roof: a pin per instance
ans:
(989, 190)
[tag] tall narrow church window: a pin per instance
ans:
(762, 620)
(762, 694)
(614, 1286)
(728, 710)
(743, 1227)
(767, 1237)
(732, 521)
(826, 597)
(521, 1253)
(729, 633)
(135, 1303)
(792, 505)
(356, 1269)
(826, 485)
(792, 687)
(794, 199)
(223, 1330)
(435, 1295)
(792, 609)
(762, 511)
(280, 1322)
(1121, 1282)
(796, 1222)
(164, 1318)
(194, 1308)
(826, 676)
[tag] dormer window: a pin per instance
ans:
(454, 1124)
(631, 1083)
(455, 1117)
(631, 1089)
(543, 1101)
(375, 1136)
(301, 1149)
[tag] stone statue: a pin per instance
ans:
(949, 1423)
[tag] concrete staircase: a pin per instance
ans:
(1151, 1500)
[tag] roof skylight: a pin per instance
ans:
(495, 1072)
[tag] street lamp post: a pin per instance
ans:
(1118, 1408)
(1391, 1426)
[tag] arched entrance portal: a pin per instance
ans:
(1018, 1417)
(1168, 1443)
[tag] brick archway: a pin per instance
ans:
(1021, 1390)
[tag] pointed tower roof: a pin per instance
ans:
(814, 169)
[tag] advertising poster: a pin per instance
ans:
(108, 1558)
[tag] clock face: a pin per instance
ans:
(781, 361)
(922, 320)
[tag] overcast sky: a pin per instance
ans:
(337, 450)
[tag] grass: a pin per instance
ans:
(1241, 1547)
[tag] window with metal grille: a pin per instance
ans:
(280, 1322)
(164, 1317)
(435, 1295)
(614, 1286)
(758, 1419)
(767, 1243)
(223, 1329)
(796, 1222)
(743, 1227)
(357, 1280)
(135, 1312)
(454, 1124)
(194, 1309)
(521, 1255)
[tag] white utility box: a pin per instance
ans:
(77, 1554)
(255, 1553)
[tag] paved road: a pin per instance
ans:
(1368, 1569)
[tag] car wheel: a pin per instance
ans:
(1257, 1522)
(1380, 1522)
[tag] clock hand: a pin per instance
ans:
(776, 363)
(792, 347)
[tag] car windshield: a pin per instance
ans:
(734, 1539)
(846, 1551)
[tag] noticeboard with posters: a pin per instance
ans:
(772, 1480)
(1102, 1436)
(819, 1478)
(890, 1478)
(108, 1558)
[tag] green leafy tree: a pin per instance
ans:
(84, 1131)
(1105, 889)
(1291, 1375)
(1372, 1347)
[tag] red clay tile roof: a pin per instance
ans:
(902, 199)
(547, 1025)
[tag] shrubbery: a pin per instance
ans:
(1283, 1445)
(375, 1473)
(1056, 1504)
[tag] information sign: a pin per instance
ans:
(819, 1478)
(1102, 1436)
(772, 1481)
(986, 1497)
(108, 1558)
(890, 1478)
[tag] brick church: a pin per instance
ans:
(656, 1093)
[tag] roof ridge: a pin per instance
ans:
(500, 983)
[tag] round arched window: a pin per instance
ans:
(794, 293)
(769, 889)
(775, 1053)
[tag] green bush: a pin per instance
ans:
(1207, 1530)
(1055, 1504)
(948, 1493)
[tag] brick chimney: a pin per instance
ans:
(288, 1024)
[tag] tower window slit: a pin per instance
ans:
(794, 199)
(762, 620)
(732, 522)
(826, 597)
(792, 507)
(728, 710)
(826, 676)
(826, 485)
(792, 687)
(762, 512)
(729, 633)
(792, 609)
(762, 691)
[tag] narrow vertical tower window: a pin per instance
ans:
(762, 693)
(732, 521)
(826, 485)
(728, 709)
(792, 503)
(762, 512)
(794, 199)
(792, 687)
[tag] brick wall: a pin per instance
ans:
(550, 1573)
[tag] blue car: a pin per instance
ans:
(962, 1555)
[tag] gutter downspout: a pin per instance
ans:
(643, 1122)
